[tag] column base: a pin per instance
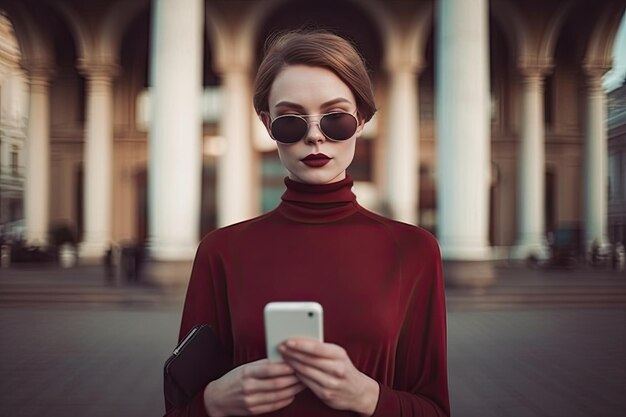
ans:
(527, 250)
(167, 273)
(469, 274)
(602, 244)
(465, 251)
(92, 253)
(166, 251)
(38, 240)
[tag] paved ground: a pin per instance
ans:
(538, 344)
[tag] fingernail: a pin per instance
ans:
(291, 343)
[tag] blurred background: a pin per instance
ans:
(131, 121)
(127, 133)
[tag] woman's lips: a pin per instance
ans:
(316, 160)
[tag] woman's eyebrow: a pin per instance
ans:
(296, 106)
(289, 104)
(336, 101)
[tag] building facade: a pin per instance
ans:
(491, 129)
(617, 164)
(13, 116)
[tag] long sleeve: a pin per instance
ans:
(420, 387)
(193, 409)
(205, 302)
(320, 245)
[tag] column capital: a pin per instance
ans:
(536, 70)
(38, 70)
(595, 69)
(535, 64)
(404, 66)
(97, 69)
(594, 72)
(234, 66)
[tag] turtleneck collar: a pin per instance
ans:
(318, 203)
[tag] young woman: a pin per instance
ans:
(378, 280)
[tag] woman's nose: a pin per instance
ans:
(314, 134)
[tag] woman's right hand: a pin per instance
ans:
(253, 388)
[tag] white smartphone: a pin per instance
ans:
(284, 320)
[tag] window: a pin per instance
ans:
(548, 99)
(612, 176)
(14, 161)
(622, 174)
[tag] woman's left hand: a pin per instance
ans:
(327, 370)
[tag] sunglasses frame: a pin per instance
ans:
(309, 123)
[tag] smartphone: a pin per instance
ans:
(284, 320)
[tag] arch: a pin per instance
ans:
(114, 26)
(34, 46)
(258, 14)
(515, 28)
(600, 47)
(423, 22)
(122, 14)
(85, 43)
(215, 33)
(387, 29)
(617, 75)
(548, 42)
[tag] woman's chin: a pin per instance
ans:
(317, 176)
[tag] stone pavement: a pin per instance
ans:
(516, 287)
(539, 344)
(82, 285)
(520, 287)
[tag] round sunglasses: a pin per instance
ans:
(290, 128)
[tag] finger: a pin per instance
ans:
(274, 396)
(315, 348)
(319, 390)
(333, 367)
(252, 385)
(265, 369)
(268, 408)
(315, 374)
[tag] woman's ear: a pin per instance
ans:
(360, 126)
(265, 119)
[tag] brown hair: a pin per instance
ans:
(319, 49)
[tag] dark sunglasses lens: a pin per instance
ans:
(289, 129)
(338, 126)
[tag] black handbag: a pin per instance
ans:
(197, 360)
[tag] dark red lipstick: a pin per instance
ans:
(316, 160)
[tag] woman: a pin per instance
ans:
(379, 281)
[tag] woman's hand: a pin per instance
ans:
(327, 370)
(254, 388)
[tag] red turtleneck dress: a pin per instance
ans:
(378, 280)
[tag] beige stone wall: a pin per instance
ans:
(65, 164)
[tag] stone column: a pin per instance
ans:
(37, 181)
(175, 148)
(595, 160)
(403, 144)
(234, 175)
(531, 167)
(97, 160)
(463, 139)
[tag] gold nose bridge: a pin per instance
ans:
(313, 122)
